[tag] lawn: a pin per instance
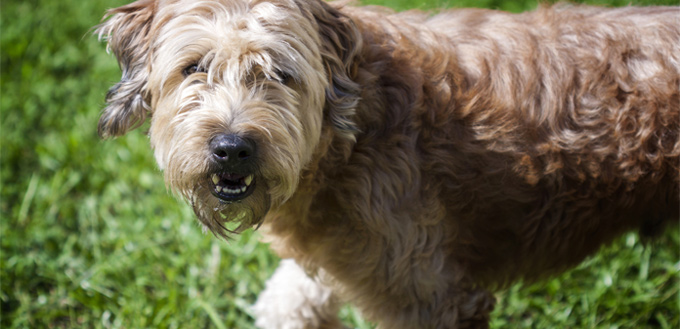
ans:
(91, 238)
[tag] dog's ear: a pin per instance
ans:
(127, 33)
(340, 40)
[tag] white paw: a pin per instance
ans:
(293, 300)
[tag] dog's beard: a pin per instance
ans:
(225, 217)
(273, 182)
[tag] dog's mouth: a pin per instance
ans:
(231, 187)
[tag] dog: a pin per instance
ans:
(407, 163)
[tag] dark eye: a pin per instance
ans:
(283, 77)
(191, 69)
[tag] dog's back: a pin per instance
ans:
(562, 131)
(577, 111)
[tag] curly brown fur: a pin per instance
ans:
(410, 164)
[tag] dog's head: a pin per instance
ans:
(237, 91)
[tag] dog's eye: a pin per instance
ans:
(283, 77)
(191, 69)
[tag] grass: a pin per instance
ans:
(91, 239)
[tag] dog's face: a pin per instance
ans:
(238, 93)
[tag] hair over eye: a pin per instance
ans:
(283, 76)
(191, 69)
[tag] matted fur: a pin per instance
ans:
(410, 164)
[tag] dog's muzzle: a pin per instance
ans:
(234, 157)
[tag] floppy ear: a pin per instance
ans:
(340, 40)
(127, 34)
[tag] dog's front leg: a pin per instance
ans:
(293, 300)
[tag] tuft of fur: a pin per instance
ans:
(408, 163)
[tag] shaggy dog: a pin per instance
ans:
(407, 163)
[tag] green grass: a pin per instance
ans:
(91, 239)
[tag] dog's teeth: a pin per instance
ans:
(231, 190)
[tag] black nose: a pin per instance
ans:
(232, 150)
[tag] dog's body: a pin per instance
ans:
(409, 163)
